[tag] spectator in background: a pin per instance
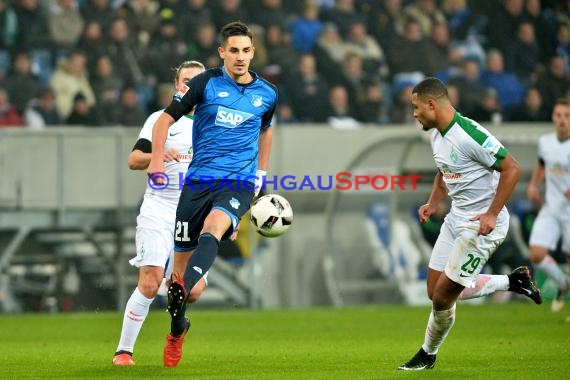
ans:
(532, 109)
(523, 55)
(268, 12)
(426, 14)
(470, 87)
(82, 113)
(228, 11)
(21, 84)
(107, 86)
(41, 111)
(195, 13)
(65, 25)
(204, 46)
(130, 113)
(401, 112)
(341, 114)
(503, 23)
(563, 45)
(124, 52)
(440, 58)
(99, 11)
(306, 29)
(544, 22)
(489, 108)
(506, 84)
(10, 28)
(461, 20)
(9, 117)
(35, 33)
(92, 43)
(143, 18)
(307, 91)
(354, 79)
(281, 55)
(405, 52)
(330, 51)
(69, 79)
(384, 21)
(374, 108)
(343, 14)
(554, 83)
(365, 46)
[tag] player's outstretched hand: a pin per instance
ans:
(487, 223)
(425, 212)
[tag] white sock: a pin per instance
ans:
(439, 324)
(486, 284)
(550, 268)
(135, 314)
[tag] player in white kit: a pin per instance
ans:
(479, 175)
(553, 221)
(155, 222)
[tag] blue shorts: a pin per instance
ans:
(196, 202)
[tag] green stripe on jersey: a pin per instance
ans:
(470, 128)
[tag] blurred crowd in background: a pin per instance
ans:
(341, 62)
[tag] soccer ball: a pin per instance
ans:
(271, 215)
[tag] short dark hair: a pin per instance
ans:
(236, 28)
(562, 102)
(431, 87)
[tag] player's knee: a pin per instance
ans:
(441, 302)
(537, 254)
(148, 288)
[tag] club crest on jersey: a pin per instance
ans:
(223, 94)
(234, 203)
(180, 93)
(256, 100)
(230, 118)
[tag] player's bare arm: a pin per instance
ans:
(264, 143)
(438, 193)
(510, 174)
(159, 134)
(533, 191)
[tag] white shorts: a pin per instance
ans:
(154, 238)
(547, 229)
(460, 252)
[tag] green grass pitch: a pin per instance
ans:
(518, 340)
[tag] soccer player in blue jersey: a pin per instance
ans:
(232, 143)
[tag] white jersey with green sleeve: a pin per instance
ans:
(555, 155)
(467, 155)
(180, 138)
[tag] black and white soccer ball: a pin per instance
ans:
(271, 215)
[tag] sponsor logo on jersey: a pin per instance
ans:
(230, 118)
(184, 157)
(256, 100)
(223, 94)
(491, 145)
(234, 203)
(449, 174)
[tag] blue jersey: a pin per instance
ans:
(227, 122)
